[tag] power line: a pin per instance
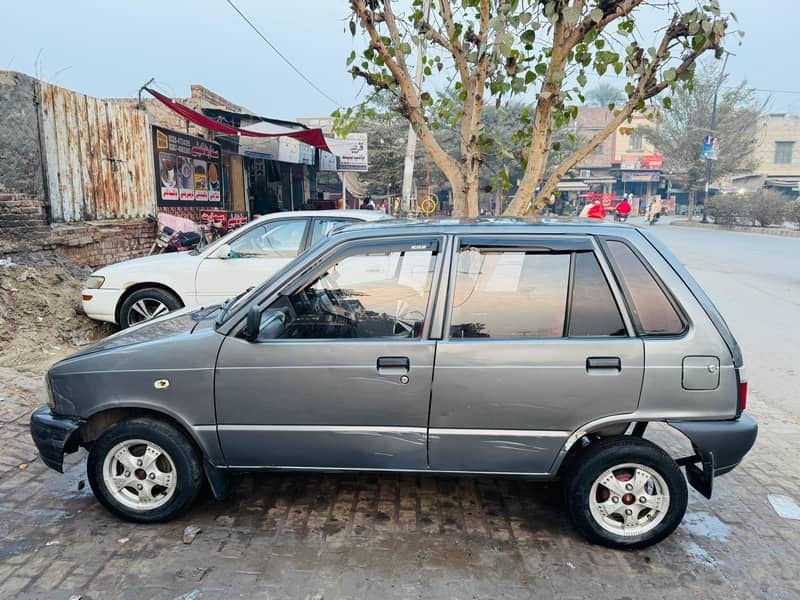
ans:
(278, 52)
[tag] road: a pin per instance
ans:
(300, 536)
(755, 282)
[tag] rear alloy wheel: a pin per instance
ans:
(626, 493)
(146, 304)
(144, 470)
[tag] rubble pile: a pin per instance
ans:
(41, 319)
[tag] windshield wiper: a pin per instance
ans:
(228, 304)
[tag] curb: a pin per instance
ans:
(778, 231)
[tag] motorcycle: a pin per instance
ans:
(621, 217)
(175, 234)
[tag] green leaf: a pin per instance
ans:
(596, 14)
(669, 75)
(528, 36)
(667, 102)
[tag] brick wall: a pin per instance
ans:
(22, 219)
(99, 243)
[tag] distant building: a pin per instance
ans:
(777, 156)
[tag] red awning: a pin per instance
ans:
(312, 137)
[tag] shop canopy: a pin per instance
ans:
(312, 137)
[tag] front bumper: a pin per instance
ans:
(719, 445)
(102, 305)
(53, 436)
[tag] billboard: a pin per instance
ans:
(710, 148)
(188, 170)
(642, 162)
(351, 151)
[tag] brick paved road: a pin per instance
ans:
(351, 536)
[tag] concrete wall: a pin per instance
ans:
(20, 157)
(777, 128)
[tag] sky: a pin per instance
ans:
(109, 49)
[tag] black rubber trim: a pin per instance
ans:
(51, 435)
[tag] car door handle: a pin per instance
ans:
(394, 364)
(605, 363)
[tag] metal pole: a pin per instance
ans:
(411, 144)
(711, 133)
(344, 190)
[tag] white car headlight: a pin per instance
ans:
(94, 282)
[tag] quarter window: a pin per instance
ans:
(651, 308)
(369, 295)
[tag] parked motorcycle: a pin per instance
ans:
(175, 234)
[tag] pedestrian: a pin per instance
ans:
(596, 210)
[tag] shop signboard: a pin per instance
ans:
(188, 170)
(642, 162)
(352, 152)
(641, 176)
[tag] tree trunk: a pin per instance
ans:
(465, 194)
(690, 211)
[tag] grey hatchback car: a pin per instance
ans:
(492, 347)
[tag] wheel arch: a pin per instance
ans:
(204, 440)
(141, 286)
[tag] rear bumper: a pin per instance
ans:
(719, 445)
(52, 435)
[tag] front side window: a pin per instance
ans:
(651, 308)
(277, 239)
(379, 294)
(509, 294)
(636, 141)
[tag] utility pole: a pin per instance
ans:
(411, 144)
(711, 133)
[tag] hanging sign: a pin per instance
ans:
(188, 170)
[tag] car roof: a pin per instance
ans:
(360, 215)
(484, 225)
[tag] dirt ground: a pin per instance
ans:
(41, 319)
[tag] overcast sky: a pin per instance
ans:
(109, 48)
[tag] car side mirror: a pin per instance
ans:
(253, 324)
(223, 251)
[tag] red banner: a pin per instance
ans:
(312, 137)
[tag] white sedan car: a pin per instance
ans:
(136, 290)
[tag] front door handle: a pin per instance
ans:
(393, 364)
(604, 363)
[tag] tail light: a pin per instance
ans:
(742, 396)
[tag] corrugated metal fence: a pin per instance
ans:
(99, 157)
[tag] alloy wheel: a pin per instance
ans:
(139, 474)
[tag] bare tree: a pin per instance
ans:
(680, 131)
(496, 49)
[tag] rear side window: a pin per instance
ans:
(519, 294)
(509, 294)
(652, 310)
(593, 310)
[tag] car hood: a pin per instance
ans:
(175, 323)
(156, 261)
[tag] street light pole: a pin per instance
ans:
(711, 133)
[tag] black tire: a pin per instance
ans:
(184, 456)
(605, 454)
(150, 296)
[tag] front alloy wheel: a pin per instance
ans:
(144, 470)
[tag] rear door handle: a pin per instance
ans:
(394, 364)
(605, 363)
